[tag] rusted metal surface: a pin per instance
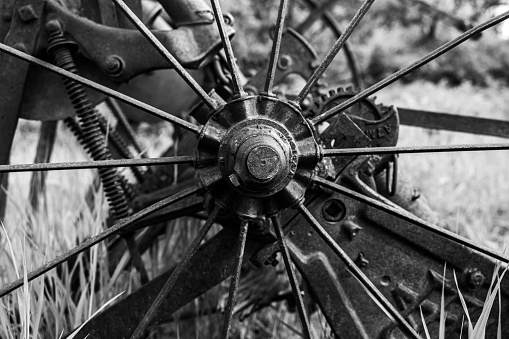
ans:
(200, 41)
(408, 272)
(23, 26)
(454, 122)
(296, 57)
(213, 262)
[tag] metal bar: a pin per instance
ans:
(211, 103)
(334, 51)
(168, 285)
(404, 215)
(234, 282)
(410, 68)
(415, 149)
(117, 228)
(125, 125)
(301, 308)
(276, 46)
(452, 122)
(62, 166)
(100, 88)
(230, 58)
(358, 274)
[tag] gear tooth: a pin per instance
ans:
(349, 89)
(341, 90)
(324, 98)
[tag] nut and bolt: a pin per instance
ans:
(27, 13)
(114, 65)
(474, 278)
(53, 26)
(333, 210)
(285, 61)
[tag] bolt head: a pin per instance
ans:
(285, 61)
(475, 279)
(27, 13)
(20, 47)
(114, 65)
(53, 26)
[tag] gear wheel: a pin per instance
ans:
(366, 109)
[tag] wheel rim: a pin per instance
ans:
(209, 140)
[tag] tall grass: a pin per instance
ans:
(468, 190)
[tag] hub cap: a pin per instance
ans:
(257, 155)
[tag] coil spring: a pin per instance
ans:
(92, 137)
(129, 190)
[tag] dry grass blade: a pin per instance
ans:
(480, 327)
(443, 314)
(463, 304)
(73, 334)
(426, 331)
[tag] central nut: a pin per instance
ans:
(263, 162)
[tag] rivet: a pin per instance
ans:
(114, 65)
(20, 47)
(27, 13)
(53, 26)
(285, 61)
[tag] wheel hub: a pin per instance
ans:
(257, 155)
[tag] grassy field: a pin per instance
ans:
(468, 190)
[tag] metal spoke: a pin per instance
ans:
(174, 276)
(230, 58)
(358, 274)
(100, 88)
(117, 228)
(301, 308)
(62, 166)
(334, 50)
(407, 216)
(409, 69)
(276, 45)
(211, 103)
(234, 282)
(415, 149)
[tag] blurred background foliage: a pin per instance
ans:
(393, 34)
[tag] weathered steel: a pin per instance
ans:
(97, 164)
(296, 57)
(45, 145)
(412, 67)
(21, 34)
(334, 51)
(100, 88)
(454, 122)
(213, 263)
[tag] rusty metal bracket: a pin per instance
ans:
(111, 63)
(25, 18)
